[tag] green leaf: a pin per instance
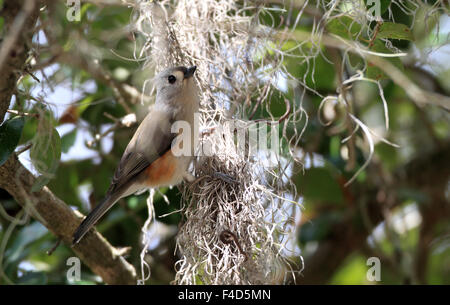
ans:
(314, 73)
(345, 27)
(312, 184)
(71, 175)
(82, 282)
(86, 102)
(29, 130)
(395, 31)
(93, 113)
(424, 22)
(335, 145)
(68, 140)
(10, 132)
(46, 151)
(84, 9)
(439, 257)
(352, 271)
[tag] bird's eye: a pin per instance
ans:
(171, 79)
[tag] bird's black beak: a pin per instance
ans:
(189, 72)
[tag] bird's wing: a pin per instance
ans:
(152, 140)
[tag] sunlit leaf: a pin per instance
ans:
(395, 31)
(352, 272)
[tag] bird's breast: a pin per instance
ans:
(164, 171)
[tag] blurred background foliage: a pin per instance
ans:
(392, 211)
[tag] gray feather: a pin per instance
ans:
(152, 139)
(93, 217)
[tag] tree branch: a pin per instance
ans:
(61, 220)
(58, 217)
(19, 20)
(14, 30)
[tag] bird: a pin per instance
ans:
(149, 160)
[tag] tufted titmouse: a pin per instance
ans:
(148, 160)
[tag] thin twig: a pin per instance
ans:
(126, 121)
(24, 149)
(58, 242)
(375, 33)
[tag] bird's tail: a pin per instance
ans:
(93, 217)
